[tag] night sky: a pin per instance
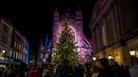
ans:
(33, 18)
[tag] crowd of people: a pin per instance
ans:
(111, 68)
(13, 70)
(105, 68)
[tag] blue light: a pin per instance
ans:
(50, 44)
(27, 52)
(46, 40)
(46, 49)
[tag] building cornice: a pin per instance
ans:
(103, 10)
(7, 23)
(20, 35)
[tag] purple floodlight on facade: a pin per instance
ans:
(76, 25)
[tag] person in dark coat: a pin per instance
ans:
(78, 72)
(34, 72)
(126, 72)
(134, 69)
(105, 69)
(117, 71)
(10, 71)
(22, 70)
(64, 70)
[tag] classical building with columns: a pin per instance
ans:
(114, 29)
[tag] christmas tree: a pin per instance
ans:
(66, 49)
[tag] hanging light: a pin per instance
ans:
(94, 58)
(109, 57)
(132, 52)
(3, 51)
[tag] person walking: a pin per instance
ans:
(10, 71)
(46, 72)
(64, 70)
(105, 69)
(22, 67)
(134, 69)
(95, 71)
(34, 72)
(117, 71)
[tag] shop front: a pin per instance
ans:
(119, 54)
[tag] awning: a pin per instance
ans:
(8, 62)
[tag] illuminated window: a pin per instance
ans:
(10, 53)
(16, 55)
(19, 46)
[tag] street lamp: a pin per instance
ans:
(94, 58)
(132, 52)
(109, 57)
(3, 51)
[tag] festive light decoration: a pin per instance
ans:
(27, 60)
(45, 49)
(66, 49)
(75, 23)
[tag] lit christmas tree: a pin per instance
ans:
(66, 49)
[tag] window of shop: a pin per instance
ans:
(20, 46)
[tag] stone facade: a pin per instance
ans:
(5, 39)
(18, 46)
(13, 45)
(113, 24)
